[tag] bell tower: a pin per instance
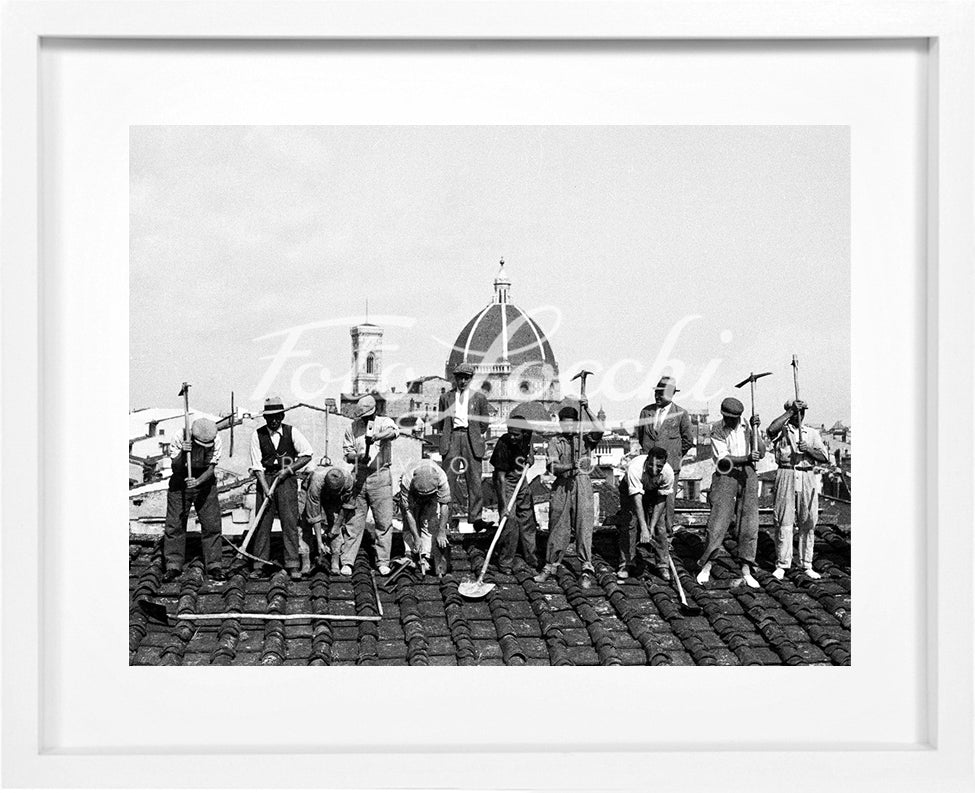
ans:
(367, 358)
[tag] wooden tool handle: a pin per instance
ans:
(504, 520)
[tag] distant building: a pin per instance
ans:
(838, 440)
(512, 358)
(367, 358)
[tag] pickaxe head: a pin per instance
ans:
(184, 389)
(583, 374)
(751, 379)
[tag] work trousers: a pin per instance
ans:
(571, 511)
(371, 492)
(178, 503)
(786, 519)
(284, 507)
(659, 537)
(463, 468)
(520, 527)
(733, 496)
(334, 519)
(426, 513)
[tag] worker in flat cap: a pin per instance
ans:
(424, 498)
(328, 507)
(462, 420)
(368, 446)
(571, 505)
(278, 452)
(513, 454)
(735, 448)
(798, 449)
(204, 449)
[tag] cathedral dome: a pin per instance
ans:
(501, 339)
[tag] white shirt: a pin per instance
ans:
(725, 442)
(461, 402)
(302, 446)
(380, 451)
(663, 482)
(175, 450)
(661, 415)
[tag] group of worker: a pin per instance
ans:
(432, 496)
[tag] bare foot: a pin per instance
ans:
(779, 573)
(813, 574)
(705, 575)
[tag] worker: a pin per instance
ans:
(425, 503)
(735, 449)
(368, 446)
(200, 490)
(798, 449)
(328, 506)
(278, 452)
(667, 425)
(462, 420)
(650, 484)
(512, 455)
(571, 507)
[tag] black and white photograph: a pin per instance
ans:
(490, 395)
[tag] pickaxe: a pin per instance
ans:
(581, 377)
(751, 379)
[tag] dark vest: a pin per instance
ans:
(200, 457)
(273, 459)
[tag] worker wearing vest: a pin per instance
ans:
(278, 452)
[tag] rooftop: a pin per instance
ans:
(427, 623)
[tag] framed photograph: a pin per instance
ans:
(453, 338)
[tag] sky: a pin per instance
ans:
(703, 252)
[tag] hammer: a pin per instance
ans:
(751, 379)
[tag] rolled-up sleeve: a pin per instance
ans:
(302, 446)
(666, 481)
(443, 487)
(313, 497)
(634, 475)
(719, 447)
(256, 464)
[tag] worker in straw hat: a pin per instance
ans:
(203, 448)
(368, 446)
(278, 452)
(733, 495)
(328, 506)
(797, 449)
(424, 499)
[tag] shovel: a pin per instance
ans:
(685, 608)
(478, 589)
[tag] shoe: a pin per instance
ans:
(384, 569)
(750, 580)
(779, 573)
(543, 576)
(256, 572)
(346, 570)
(216, 575)
(336, 567)
(705, 575)
(810, 573)
(295, 575)
(622, 574)
(171, 575)
(585, 580)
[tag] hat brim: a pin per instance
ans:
(206, 444)
(267, 413)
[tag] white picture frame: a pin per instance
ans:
(944, 761)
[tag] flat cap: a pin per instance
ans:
(425, 479)
(464, 368)
(204, 431)
(731, 407)
(364, 407)
(335, 480)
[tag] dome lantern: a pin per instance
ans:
(501, 285)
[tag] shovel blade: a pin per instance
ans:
(690, 611)
(473, 589)
(154, 611)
